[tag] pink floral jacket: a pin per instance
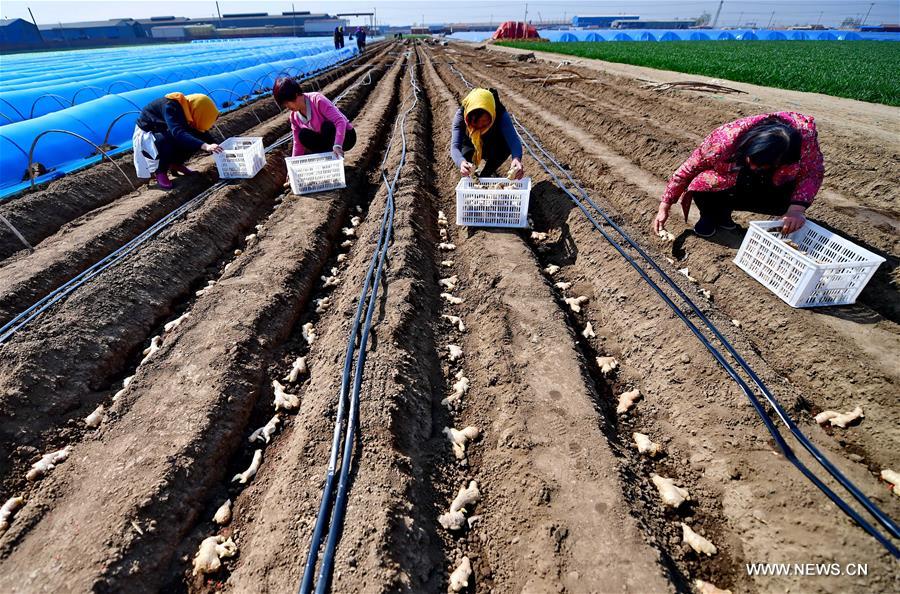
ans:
(709, 168)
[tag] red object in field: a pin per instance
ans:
(515, 30)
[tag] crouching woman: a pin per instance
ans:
(482, 129)
(768, 164)
(318, 126)
(169, 131)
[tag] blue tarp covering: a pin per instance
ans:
(95, 115)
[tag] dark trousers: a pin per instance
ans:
(171, 152)
(493, 153)
(323, 140)
(769, 200)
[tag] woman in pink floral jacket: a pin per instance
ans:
(768, 163)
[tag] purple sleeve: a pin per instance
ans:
(459, 129)
(509, 134)
(334, 115)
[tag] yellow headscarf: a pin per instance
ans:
(199, 110)
(478, 99)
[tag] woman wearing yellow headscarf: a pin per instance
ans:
(482, 130)
(169, 131)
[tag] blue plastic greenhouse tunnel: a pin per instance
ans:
(106, 89)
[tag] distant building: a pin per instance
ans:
(639, 24)
(93, 31)
(600, 21)
(18, 34)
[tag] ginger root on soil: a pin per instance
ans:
(707, 588)
(736, 323)
(539, 236)
(706, 294)
(839, 419)
(266, 432)
(459, 389)
(355, 221)
(247, 475)
(212, 550)
(607, 364)
(697, 542)
(322, 304)
(562, 286)
(459, 439)
(93, 420)
(176, 322)
(298, 367)
(347, 244)
(209, 285)
(348, 231)
(588, 331)
(687, 275)
(47, 463)
(155, 343)
(672, 495)
(467, 497)
(8, 511)
(341, 258)
(238, 252)
(330, 281)
(447, 263)
(447, 247)
(892, 477)
(456, 321)
(451, 299)
(125, 383)
(223, 514)
(627, 400)
(552, 269)
(455, 352)
(575, 303)
(250, 238)
(450, 282)
(442, 218)
(443, 233)
(645, 445)
(283, 400)
(459, 579)
(309, 333)
(666, 236)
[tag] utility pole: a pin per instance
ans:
(820, 18)
(526, 13)
(740, 18)
(865, 18)
(219, 12)
(718, 12)
(293, 18)
(772, 18)
(38, 28)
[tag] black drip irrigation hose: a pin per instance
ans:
(337, 510)
(24, 318)
(782, 414)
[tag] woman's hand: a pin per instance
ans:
(793, 219)
(466, 168)
(212, 148)
(338, 151)
(516, 169)
(659, 223)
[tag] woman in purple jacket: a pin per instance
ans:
(483, 130)
(318, 126)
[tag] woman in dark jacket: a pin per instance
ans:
(483, 130)
(169, 131)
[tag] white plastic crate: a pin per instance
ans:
(487, 207)
(826, 270)
(242, 158)
(315, 173)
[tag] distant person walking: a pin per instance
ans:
(317, 125)
(361, 39)
(769, 164)
(169, 131)
(337, 38)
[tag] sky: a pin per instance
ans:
(734, 12)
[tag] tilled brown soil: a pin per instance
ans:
(566, 502)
